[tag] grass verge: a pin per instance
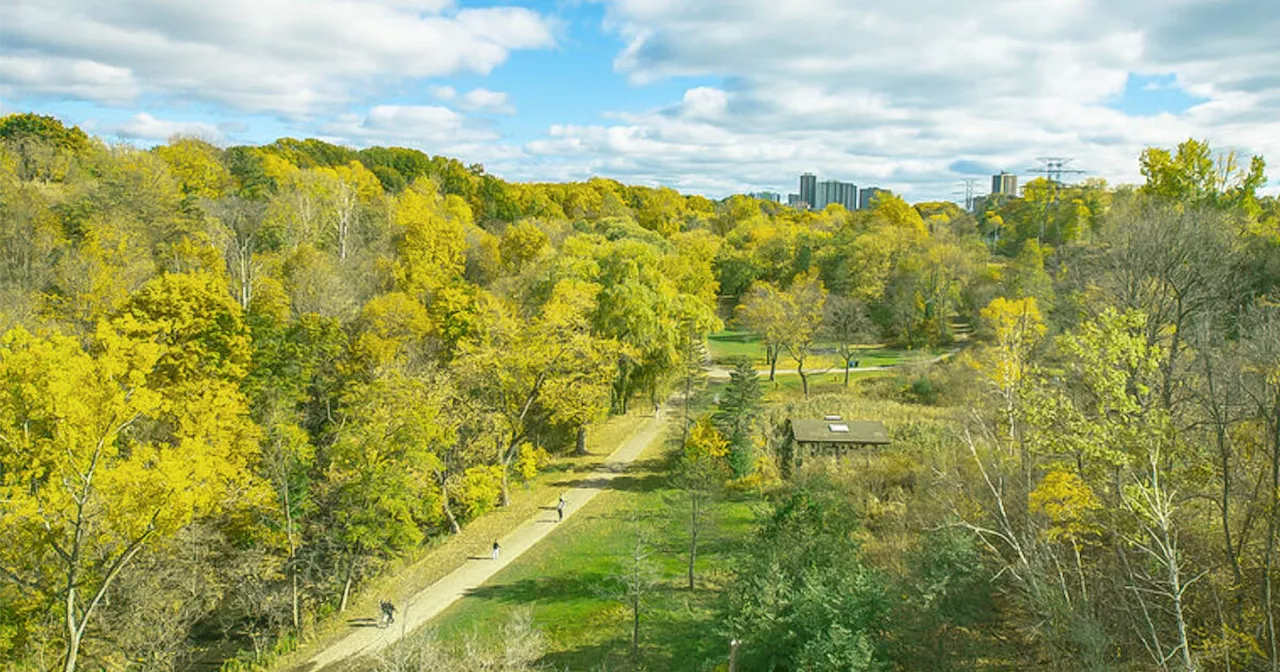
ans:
(567, 579)
(443, 554)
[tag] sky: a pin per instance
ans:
(714, 97)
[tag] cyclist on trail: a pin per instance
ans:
(388, 612)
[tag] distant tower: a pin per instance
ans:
(1004, 183)
(809, 188)
(867, 197)
(970, 192)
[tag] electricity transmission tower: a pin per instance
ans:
(1053, 168)
(970, 184)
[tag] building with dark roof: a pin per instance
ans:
(832, 436)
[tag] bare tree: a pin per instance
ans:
(1151, 504)
(847, 324)
(1262, 388)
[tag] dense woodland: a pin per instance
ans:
(235, 383)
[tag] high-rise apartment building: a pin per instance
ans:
(809, 188)
(1004, 183)
(834, 191)
(767, 196)
(867, 197)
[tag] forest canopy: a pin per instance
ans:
(236, 382)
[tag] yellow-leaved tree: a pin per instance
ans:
(704, 465)
(84, 487)
(1006, 363)
(432, 242)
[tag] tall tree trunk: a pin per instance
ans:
(346, 583)
(581, 448)
(1175, 583)
(1224, 505)
(771, 353)
(635, 619)
(73, 630)
(454, 528)
(804, 378)
(847, 364)
(694, 497)
(293, 598)
(293, 561)
(688, 393)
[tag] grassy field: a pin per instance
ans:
(726, 345)
(444, 554)
(567, 578)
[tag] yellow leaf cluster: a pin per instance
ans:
(1067, 501)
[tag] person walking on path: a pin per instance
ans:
(656, 408)
(560, 510)
(388, 612)
(495, 549)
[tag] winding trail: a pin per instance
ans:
(430, 601)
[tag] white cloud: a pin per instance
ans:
(484, 100)
(145, 127)
(893, 95)
(65, 77)
(430, 128)
(285, 56)
(442, 92)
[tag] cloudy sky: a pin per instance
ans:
(708, 96)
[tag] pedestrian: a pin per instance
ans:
(560, 509)
(656, 408)
(388, 612)
(495, 549)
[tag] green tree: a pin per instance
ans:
(805, 599)
(737, 413)
(380, 475)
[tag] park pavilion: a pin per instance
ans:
(833, 436)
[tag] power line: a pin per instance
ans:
(969, 192)
(1054, 167)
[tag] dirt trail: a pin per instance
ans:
(364, 639)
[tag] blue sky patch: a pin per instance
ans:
(1151, 95)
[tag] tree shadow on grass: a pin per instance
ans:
(543, 589)
(608, 655)
(671, 638)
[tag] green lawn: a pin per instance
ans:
(565, 579)
(725, 345)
